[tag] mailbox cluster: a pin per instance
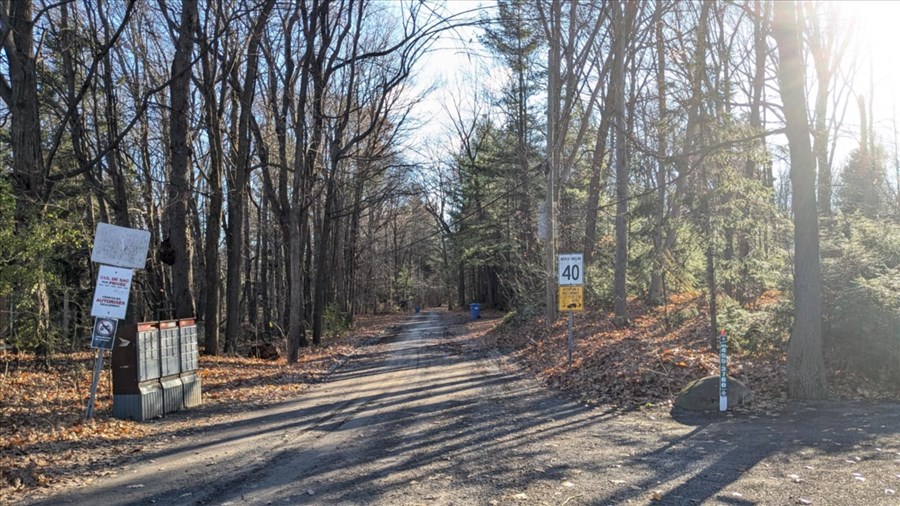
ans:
(154, 368)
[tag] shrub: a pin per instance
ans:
(861, 295)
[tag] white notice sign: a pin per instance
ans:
(120, 246)
(571, 269)
(111, 293)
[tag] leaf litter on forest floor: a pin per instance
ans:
(647, 362)
(45, 441)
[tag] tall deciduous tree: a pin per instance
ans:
(624, 13)
(806, 363)
(180, 149)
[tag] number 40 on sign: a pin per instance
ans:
(570, 269)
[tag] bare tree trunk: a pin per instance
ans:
(657, 277)
(620, 288)
(214, 211)
(180, 147)
(264, 271)
(554, 85)
(322, 254)
(297, 325)
(806, 363)
(21, 96)
(594, 186)
(247, 264)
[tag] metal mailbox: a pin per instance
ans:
(154, 369)
(137, 393)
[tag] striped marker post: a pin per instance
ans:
(723, 373)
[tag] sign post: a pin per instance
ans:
(723, 373)
(98, 368)
(118, 250)
(570, 270)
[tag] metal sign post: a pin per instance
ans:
(723, 373)
(98, 368)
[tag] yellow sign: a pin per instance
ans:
(571, 298)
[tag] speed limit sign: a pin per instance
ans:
(570, 269)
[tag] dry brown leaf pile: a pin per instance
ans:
(647, 362)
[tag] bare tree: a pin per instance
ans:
(623, 14)
(180, 148)
(806, 363)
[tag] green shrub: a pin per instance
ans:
(334, 321)
(861, 296)
(756, 332)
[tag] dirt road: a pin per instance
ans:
(420, 419)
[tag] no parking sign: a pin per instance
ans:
(104, 333)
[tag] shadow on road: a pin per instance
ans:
(410, 405)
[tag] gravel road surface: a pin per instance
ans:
(422, 418)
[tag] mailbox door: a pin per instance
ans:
(148, 352)
(170, 350)
(190, 356)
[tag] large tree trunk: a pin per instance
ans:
(180, 147)
(554, 85)
(806, 364)
(620, 288)
(297, 318)
(21, 96)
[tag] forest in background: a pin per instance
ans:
(681, 146)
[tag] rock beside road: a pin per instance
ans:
(703, 394)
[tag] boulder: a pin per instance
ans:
(703, 394)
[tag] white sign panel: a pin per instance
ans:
(111, 293)
(120, 246)
(570, 269)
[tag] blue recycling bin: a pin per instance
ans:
(474, 311)
(417, 309)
